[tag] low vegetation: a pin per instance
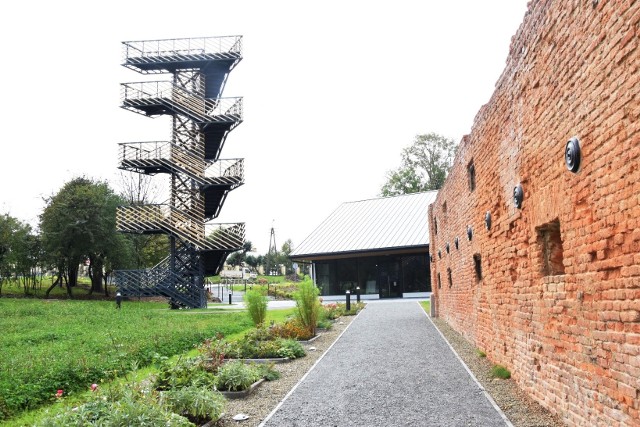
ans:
(256, 305)
(50, 345)
(499, 371)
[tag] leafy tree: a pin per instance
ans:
(19, 250)
(287, 248)
(252, 261)
(424, 166)
(239, 258)
(79, 222)
(235, 259)
(147, 249)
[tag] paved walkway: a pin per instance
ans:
(391, 367)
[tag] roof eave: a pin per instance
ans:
(362, 253)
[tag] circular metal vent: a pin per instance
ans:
(469, 232)
(518, 195)
(572, 155)
(439, 254)
(487, 220)
(447, 247)
(456, 242)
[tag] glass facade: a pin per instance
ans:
(387, 276)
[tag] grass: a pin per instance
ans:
(426, 305)
(54, 344)
(480, 353)
(499, 371)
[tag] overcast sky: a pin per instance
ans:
(333, 91)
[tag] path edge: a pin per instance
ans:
(473, 377)
(272, 413)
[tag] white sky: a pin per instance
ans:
(333, 91)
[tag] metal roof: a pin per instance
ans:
(370, 225)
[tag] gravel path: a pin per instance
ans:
(521, 410)
(266, 397)
(391, 367)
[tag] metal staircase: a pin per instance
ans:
(200, 180)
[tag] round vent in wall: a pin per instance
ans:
(518, 195)
(572, 155)
(469, 232)
(487, 220)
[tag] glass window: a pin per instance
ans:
(325, 276)
(368, 276)
(347, 275)
(415, 274)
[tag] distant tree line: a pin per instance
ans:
(270, 262)
(77, 226)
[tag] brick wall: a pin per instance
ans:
(557, 297)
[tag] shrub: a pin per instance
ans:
(308, 305)
(236, 376)
(499, 371)
(198, 404)
(324, 323)
(126, 412)
(268, 372)
(291, 349)
(257, 306)
(213, 352)
(293, 329)
(185, 372)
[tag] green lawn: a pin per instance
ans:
(426, 305)
(49, 345)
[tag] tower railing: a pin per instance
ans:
(139, 156)
(184, 48)
(137, 95)
(167, 219)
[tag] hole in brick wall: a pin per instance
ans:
(550, 243)
(444, 208)
(471, 172)
(449, 277)
(435, 225)
(477, 264)
(439, 282)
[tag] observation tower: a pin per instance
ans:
(200, 179)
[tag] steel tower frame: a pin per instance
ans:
(200, 180)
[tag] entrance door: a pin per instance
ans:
(389, 279)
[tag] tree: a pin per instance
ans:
(147, 250)
(287, 248)
(239, 258)
(424, 166)
(79, 222)
(19, 250)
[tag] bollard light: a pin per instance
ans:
(229, 298)
(358, 293)
(348, 300)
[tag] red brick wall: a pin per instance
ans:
(571, 339)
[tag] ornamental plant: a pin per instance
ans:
(257, 306)
(198, 404)
(308, 305)
(236, 376)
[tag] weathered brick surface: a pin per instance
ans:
(570, 338)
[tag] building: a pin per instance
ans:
(378, 247)
(543, 199)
